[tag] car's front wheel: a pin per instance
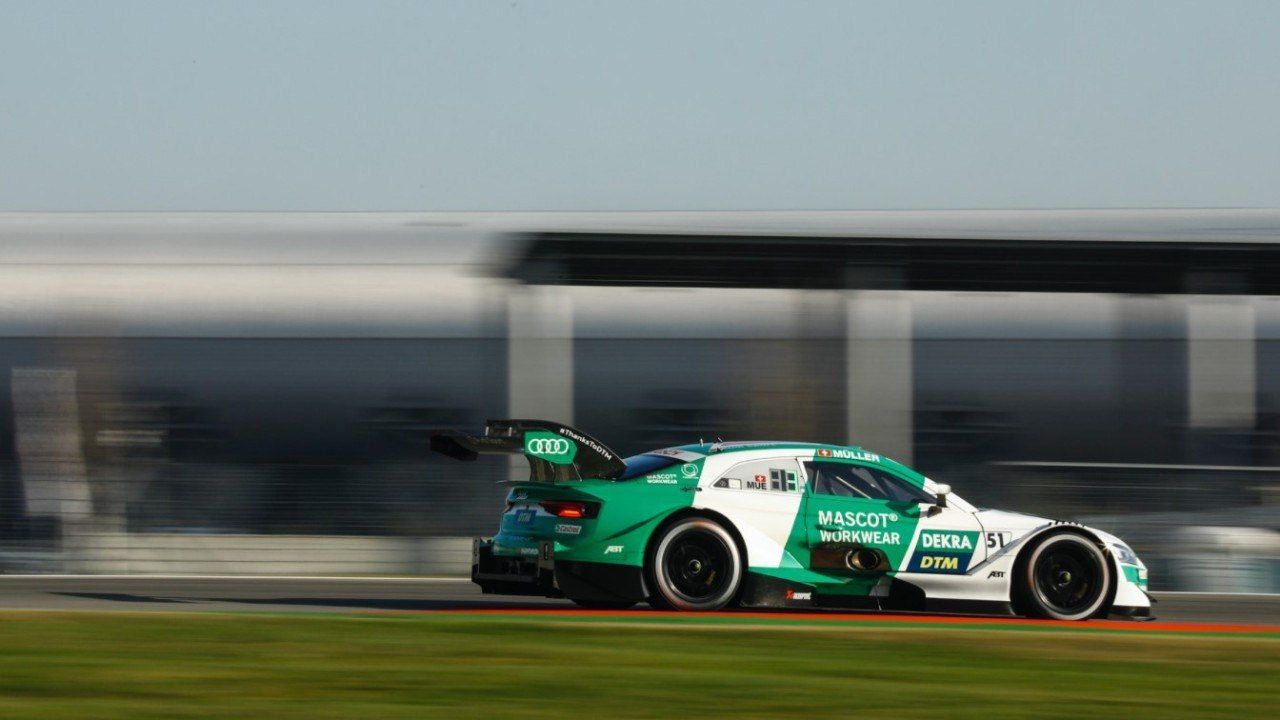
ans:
(1066, 576)
(695, 565)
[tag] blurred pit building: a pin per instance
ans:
(253, 393)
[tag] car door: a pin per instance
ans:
(856, 527)
(864, 521)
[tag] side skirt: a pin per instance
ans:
(764, 591)
(969, 607)
(1130, 613)
(600, 581)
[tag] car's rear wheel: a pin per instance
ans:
(1066, 576)
(695, 565)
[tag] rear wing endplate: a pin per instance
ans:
(555, 451)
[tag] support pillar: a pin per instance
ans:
(47, 438)
(880, 385)
(539, 358)
(1222, 374)
(1148, 370)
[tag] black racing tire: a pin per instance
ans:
(1065, 576)
(603, 604)
(696, 565)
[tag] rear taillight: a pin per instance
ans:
(571, 509)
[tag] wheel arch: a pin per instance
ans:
(691, 512)
(688, 512)
(1029, 543)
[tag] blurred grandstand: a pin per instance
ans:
(241, 393)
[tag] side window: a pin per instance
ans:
(857, 481)
(779, 475)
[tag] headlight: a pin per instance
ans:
(1124, 554)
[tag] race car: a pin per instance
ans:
(777, 525)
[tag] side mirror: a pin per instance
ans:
(941, 492)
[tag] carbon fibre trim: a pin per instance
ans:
(600, 581)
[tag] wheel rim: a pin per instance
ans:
(1068, 577)
(698, 566)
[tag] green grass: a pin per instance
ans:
(85, 665)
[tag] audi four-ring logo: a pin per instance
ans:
(548, 446)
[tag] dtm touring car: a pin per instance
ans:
(777, 524)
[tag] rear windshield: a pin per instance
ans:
(638, 465)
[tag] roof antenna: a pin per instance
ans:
(700, 442)
(719, 439)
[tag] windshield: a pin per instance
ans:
(638, 465)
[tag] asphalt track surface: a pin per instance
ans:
(452, 595)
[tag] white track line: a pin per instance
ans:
(1135, 466)
(324, 578)
(1210, 593)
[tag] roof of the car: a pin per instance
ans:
(717, 448)
(743, 445)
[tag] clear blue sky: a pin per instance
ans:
(637, 105)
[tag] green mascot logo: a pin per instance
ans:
(550, 447)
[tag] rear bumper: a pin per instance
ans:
(544, 576)
(534, 575)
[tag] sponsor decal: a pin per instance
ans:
(524, 516)
(946, 540)
(995, 574)
(584, 440)
(613, 549)
(848, 454)
(689, 470)
(550, 447)
(943, 551)
(857, 519)
(793, 595)
(862, 537)
(865, 528)
(853, 455)
(997, 540)
(662, 479)
(759, 482)
(938, 563)
(567, 529)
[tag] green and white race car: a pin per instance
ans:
(777, 524)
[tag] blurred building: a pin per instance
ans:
(253, 393)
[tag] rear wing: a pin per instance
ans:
(555, 451)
